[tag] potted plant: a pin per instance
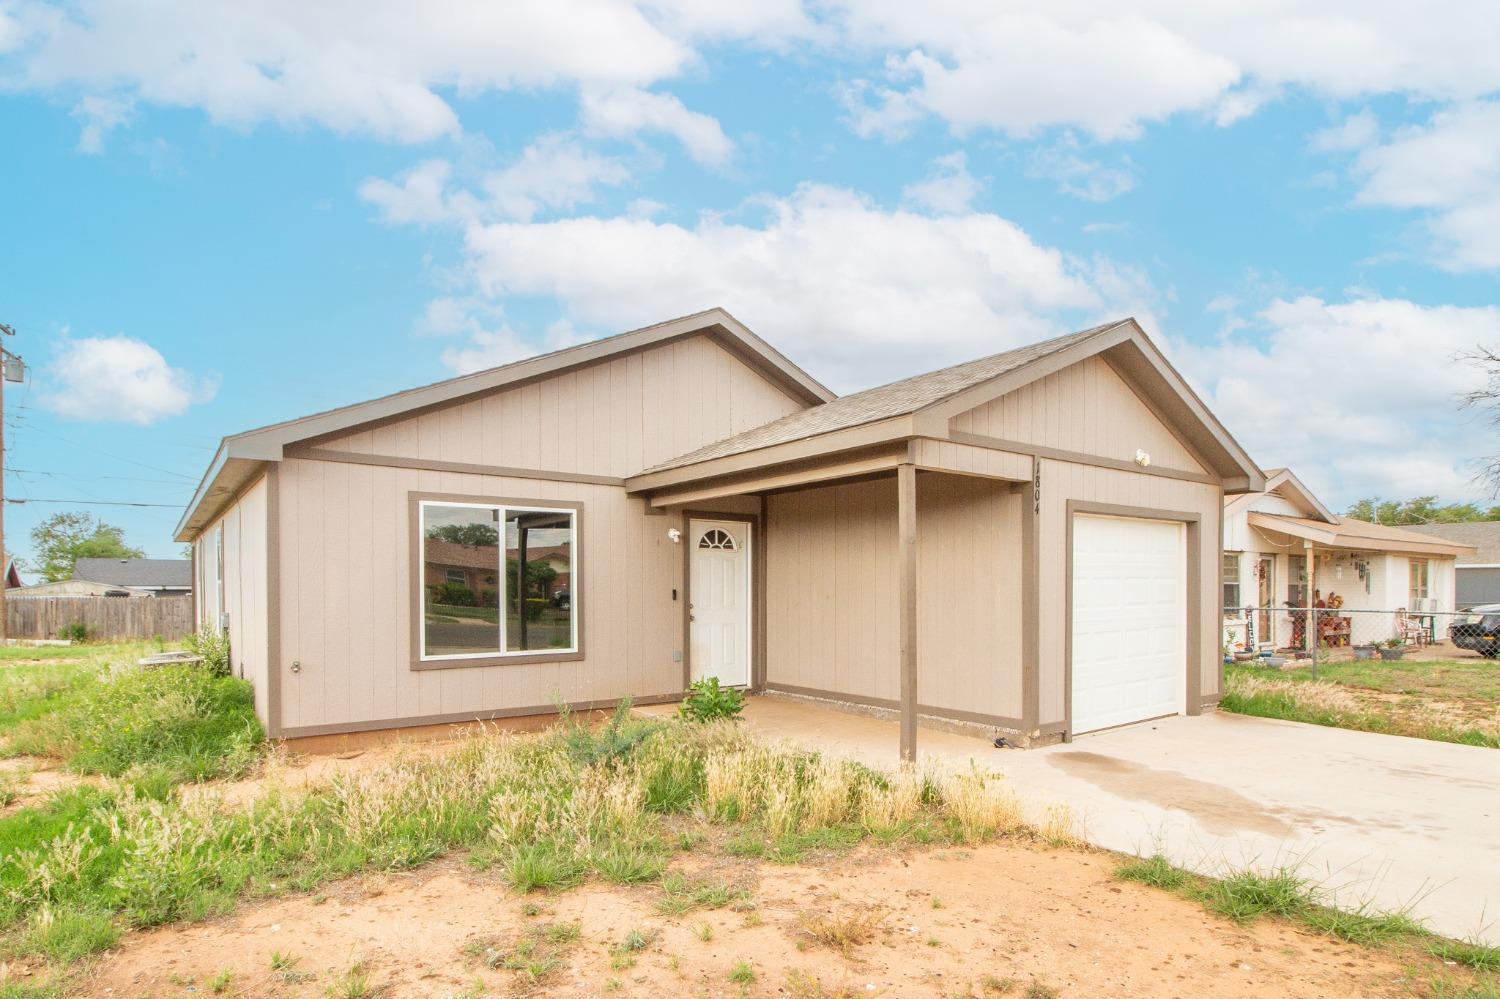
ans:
(1366, 651)
(1393, 649)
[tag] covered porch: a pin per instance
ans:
(888, 577)
(1360, 583)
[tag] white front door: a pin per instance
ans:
(719, 601)
(1129, 621)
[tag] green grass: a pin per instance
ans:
(102, 715)
(1333, 700)
(612, 802)
(1247, 896)
(1442, 678)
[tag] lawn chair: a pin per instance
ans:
(1409, 629)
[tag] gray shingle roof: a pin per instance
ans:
(147, 572)
(883, 402)
(1484, 535)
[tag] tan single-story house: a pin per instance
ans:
(1028, 542)
(1375, 577)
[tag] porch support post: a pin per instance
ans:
(1310, 631)
(906, 518)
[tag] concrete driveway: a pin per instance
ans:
(1380, 820)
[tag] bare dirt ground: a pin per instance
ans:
(995, 920)
(30, 778)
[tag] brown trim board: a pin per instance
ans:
(414, 501)
(1077, 457)
(1193, 580)
(273, 602)
(757, 590)
(471, 468)
(923, 710)
(343, 728)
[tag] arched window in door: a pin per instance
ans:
(715, 538)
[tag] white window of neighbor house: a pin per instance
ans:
(1230, 572)
(511, 593)
(1419, 574)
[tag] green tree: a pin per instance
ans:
(1419, 510)
(469, 535)
(64, 538)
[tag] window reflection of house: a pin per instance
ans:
(472, 567)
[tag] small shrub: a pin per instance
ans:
(75, 632)
(707, 701)
(213, 646)
(742, 973)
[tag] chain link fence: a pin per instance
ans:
(1345, 633)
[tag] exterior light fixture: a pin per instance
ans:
(1142, 457)
(674, 535)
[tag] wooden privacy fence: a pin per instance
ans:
(105, 617)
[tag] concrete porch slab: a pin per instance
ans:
(1381, 820)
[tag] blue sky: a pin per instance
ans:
(219, 218)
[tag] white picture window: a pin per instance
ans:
(497, 580)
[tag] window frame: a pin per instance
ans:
(505, 505)
(1238, 583)
(1413, 566)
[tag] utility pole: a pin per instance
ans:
(12, 370)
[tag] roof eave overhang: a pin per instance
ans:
(1132, 354)
(240, 457)
(837, 442)
(1331, 538)
(234, 466)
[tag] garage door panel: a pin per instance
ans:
(1129, 638)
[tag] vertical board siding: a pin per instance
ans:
(833, 601)
(613, 418)
(345, 600)
(108, 618)
(1085, 407)
(245, 592)
(1063, 481)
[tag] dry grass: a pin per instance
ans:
(845, 928)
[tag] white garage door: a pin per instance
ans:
(1129, 620)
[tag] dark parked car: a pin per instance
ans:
(1479, 631)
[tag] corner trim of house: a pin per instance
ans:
(1078, 457)
(1193, 580)
(887, 704)
(471, 468)
(376, 725)
(273, 601)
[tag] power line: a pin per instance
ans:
(107, 454)
(89, 476)
(81, 502)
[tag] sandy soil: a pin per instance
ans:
(32, 778)
(952, 922)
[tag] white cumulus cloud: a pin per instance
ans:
(1449, 168)
(857, 292)
(948, 189)
(1359, 397)
(120, 378)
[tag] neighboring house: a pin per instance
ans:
(1377, 571)
(11, 580)
(1479, 571)
(152, 577)
(73, 588)
(1027, 542)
